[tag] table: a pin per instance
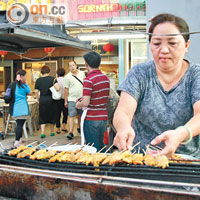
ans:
(30, 121)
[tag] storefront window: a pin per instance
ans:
(33, 71)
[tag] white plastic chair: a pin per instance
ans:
(14, 123)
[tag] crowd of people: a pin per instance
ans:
(78, 90)
(159, 102)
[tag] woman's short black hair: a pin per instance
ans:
(60, 72)
(45, 69)
(179, 22)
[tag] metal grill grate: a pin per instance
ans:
(176, 172)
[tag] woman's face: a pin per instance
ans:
(168, 51)
(23, 78)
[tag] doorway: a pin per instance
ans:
(6, 74)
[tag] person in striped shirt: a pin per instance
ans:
(96, 88)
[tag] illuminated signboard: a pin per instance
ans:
(110, 7)
(94, 9)
(91, 9)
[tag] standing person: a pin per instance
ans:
(60, 104)
(160, 99)
(73, 90)
(19, 107)
(96, 89)
(47, 106)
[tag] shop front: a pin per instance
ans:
(121, 24)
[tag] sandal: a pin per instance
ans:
(70, 136)
(58, 132)
(79, 130)
(64, 130)
(42, 135)
(52, 134)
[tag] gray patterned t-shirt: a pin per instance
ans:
(159, 110)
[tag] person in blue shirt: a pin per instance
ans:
(20, 110)
(160, 99)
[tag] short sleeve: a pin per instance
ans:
(66, 81)
(195, 84)
(37, 84)
(134, 82)
(87, 87)
(28, 90)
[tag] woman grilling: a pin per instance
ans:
(160, 99)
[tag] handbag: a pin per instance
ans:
(56, 95)
(8, 93)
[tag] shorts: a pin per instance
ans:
(72, 110)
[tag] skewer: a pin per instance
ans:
(92, 144)
(134, 152)
(138, 150)
(149, 147)
(40, 144)
(31, 143)
(109, 148)
(130, 148)
(101, 149)
(158, 147)
(135, 145)
(155, 148)
(53, 144)
(144, 151)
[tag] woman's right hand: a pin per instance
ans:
(124, 138)
(66, 104)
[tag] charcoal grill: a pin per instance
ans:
(116, 182)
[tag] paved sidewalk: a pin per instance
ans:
(61, 139)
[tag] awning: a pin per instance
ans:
(21, 38)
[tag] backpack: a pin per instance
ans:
(9, 94)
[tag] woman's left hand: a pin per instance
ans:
(172, 140)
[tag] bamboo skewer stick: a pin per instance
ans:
(109, 148)
(55, 143)
(130, 148)
(92, 144)
(101, 149)
(154, 148)
(134, 152)
(136, 145)
(158, 147)
(40, 144)
(138, 150)
(31, 143)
